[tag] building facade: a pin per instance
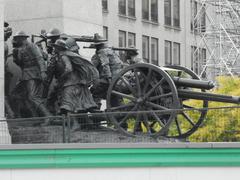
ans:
(163, 31)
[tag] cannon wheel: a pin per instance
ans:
(193, 123)
(146, 88)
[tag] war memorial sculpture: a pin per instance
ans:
(57, 80)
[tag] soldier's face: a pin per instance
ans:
(18, 41)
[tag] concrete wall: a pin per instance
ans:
(82, 18)
(165, 173)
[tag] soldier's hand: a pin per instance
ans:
(44, 76)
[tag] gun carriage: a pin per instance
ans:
(149, 89)
(153, 99)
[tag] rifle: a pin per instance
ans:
(113, 48)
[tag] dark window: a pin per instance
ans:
(105, 5)
(154, 10)
(176, 54)
(131, 8)
(176, 13)
(145, 9)
(198, 17)
(167, 12)
(122, 7)
(105, 32)
(131, 39)
(145, 48)
(122, 43)
(154, 51)
(168, 52)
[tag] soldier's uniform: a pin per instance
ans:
(29, 58)
(109, 65)
(72, 84)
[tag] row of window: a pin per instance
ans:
(150, 50)
(149, 10)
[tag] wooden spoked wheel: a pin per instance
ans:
(137, 96)
(187, 122)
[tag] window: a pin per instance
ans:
(145, 48)
(198, 59)
(168, 53)
(122, 43)
(172, 53)
(126, 7)
(172, 13)
(105, 32)
(198, 17)
(131, 39)
(176, 13)
(145, 9)
(167, 12)
(154, 51)
(105, 5)
(122, 7)
(131, 8)
(176, 54)
(154, 10)
(150, 10)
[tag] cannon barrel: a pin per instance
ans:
(187, 94)
(193, 83)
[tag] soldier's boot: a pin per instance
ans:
(44, 112)
(9, 112)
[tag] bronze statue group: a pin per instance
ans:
(56, 79)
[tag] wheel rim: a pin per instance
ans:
(143, 87)
(187, 122)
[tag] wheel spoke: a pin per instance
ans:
(188, 118)
(128, 115)
(121, 107)
(153, 89)
(125, 81)
(137, 83)
(158, 119)
(146, 123)
(178, 127)
(136, 123)
(160, 96)
(156, 106)
(123, 95)
(147, 80)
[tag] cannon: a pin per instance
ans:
(146, 89)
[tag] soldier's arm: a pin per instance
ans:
(68, 65)
(38, 55)
(104, 60)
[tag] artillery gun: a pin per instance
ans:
(146, 90)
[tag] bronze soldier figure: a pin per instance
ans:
(8, 75)
(53, 35)
(74, 74)
(28, 57)
(109, 65)
(72, 45)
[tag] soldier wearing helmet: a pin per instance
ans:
(53, 35)
(73, 74)
(131, 56)
(108, 64)
(29, 58)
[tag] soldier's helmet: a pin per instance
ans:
(133, 52)
(72, 44)
(21, 34)
(98, 41)
(6, 24)
(60, 45)
(54, 32)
